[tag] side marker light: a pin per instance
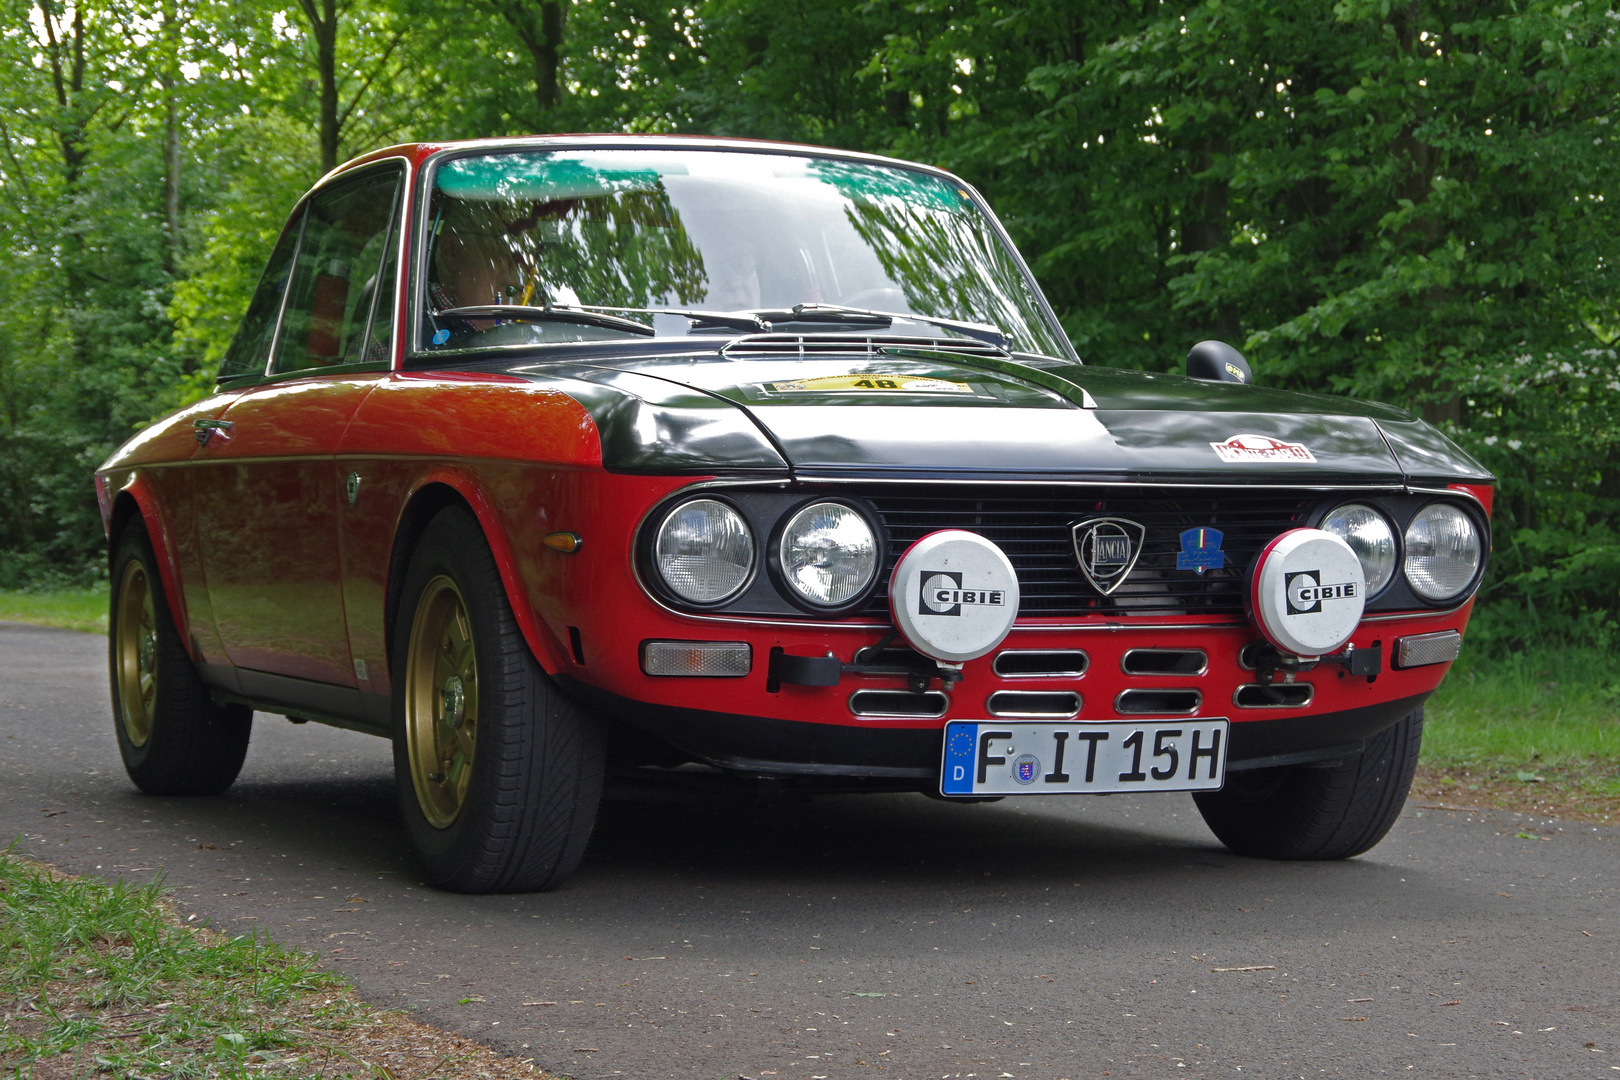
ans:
(565, 542)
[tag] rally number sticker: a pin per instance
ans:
(868, 384)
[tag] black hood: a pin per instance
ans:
(924, 413)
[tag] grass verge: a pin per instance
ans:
(65, 609)
(1537, 731)
(107, 978)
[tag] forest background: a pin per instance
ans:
(1413, 202)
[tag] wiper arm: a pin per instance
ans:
(983, 331)
(735, 320)
(555, 313)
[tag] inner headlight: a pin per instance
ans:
(704, 551)
(1370, 537)
(828, 554)
(1442, 552)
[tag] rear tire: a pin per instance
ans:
(498, 773)
(1318, 811)
(172, 736)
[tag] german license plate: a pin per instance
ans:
(986, 757)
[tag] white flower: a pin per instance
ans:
(1514, 444)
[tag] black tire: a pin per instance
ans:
(511, 808)
(1318, 811)
(173, 737)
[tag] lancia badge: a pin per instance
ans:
(1106, 549)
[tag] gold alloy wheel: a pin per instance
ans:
(135, 653)
(441, 702)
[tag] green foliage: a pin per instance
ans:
(1414, 202)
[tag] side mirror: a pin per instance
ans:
(1216, 361)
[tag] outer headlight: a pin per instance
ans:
(828, 554)
(1442, 552)
(1370, 537)
(704, 551)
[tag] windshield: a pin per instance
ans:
(709, 231)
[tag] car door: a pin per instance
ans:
(269, 496)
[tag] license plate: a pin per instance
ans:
(985, 757)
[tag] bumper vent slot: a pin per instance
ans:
(1158, 702)
(1060, 704)
(898, 703)
(1274, 695)
(1040, 663)
(1164, 662)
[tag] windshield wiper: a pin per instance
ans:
(994, 335)
(554, 312)
(733, 320)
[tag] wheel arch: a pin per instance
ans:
(134, 502)
(451, 487)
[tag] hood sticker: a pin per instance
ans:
(1242, 448)
(867, 383)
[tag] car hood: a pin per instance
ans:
(920, 413)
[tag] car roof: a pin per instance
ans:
(419, 152)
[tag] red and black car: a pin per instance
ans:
(557, 457)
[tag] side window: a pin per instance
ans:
(335, 279)
(250, 348)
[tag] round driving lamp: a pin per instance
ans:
(1370, 537)
(704, 551)
(1443, 552)
(828, 554)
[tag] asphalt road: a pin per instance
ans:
(883, 936)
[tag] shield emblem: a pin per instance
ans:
(1107, 549)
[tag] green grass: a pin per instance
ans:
(67, 609)
(1541, 707)
(102, 978)
(103, 975)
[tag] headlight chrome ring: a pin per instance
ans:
(704, 551)
(1370, 536)
(1443, 552)
(828, 555)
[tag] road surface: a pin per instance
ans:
(891, 937)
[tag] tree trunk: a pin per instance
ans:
(542, 34)
(323, 27)
(171, 140)
(1204, 224)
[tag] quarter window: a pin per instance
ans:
(250, 349)
(338, 275)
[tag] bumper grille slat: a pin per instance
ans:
(1034, 528)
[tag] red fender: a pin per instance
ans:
(547, 650)
(139, 488)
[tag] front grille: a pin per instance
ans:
(1032, 525)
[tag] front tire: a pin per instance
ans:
(498, 774)
(1318, 811)
(172, 736)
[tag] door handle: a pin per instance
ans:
(205, 429)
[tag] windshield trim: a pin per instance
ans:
(428, 171)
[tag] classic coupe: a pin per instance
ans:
(557, 459)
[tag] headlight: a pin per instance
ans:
(1370, 537)
(704, 551)
(828, 554)
(1442, 552)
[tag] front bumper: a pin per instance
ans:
(769, 746)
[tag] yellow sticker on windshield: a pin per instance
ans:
(866, 384)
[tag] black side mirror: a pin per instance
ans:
(1216, 361)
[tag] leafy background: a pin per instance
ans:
(1413, 202)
